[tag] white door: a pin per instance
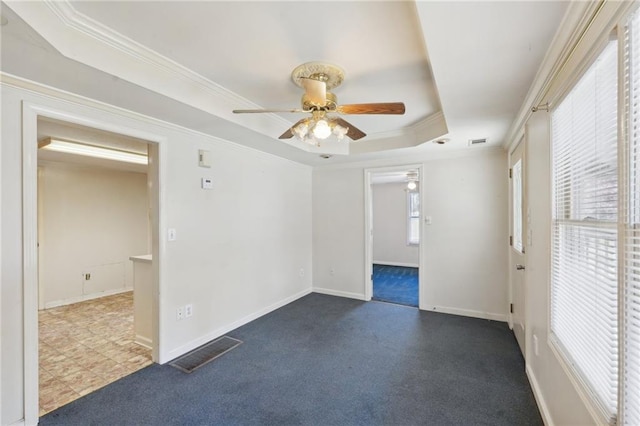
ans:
(517, 214)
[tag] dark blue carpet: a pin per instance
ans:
(325, 360)
(395, 284)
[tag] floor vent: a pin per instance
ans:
(477, 141)
(205, 354)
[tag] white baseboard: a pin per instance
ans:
(339, 293)
(144, 341)
(469, 313)
(175, 353)
(85, 297)
(406, 265)
(537, 393)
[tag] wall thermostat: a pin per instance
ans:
(207, 183)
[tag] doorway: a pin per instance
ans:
(74, 115)
(517, 241)
(393, 220)
(93, 215)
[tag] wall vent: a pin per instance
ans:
(477, 141)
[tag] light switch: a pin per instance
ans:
(171, 234)
(427, 220)
(207, 183)
(204, 158)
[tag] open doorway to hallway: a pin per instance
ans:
(94, 213)
(395, 235)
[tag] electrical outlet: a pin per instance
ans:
(87, 277)
(180, 313)
(188, 310)
(301, 273)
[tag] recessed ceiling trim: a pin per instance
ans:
(83, 39)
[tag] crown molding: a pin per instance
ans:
(81, 38)
(39, 89)
(583, 28)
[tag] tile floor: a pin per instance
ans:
(86, 346)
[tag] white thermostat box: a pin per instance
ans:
(207, 183)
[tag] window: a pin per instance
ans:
(516, 171)
(595, 272)
(584, 269)
(413, 220)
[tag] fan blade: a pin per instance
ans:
(246, 111)
(380, 108)
(289, 133)
(354, 133)
(316, 91)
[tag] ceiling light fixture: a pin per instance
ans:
(318, 128)
(412, 178)
(78, 148)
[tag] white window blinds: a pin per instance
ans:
(584, 277)
(631, 236)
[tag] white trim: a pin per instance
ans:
(538, 395)
(406, 265)
(144, 342)
(469, 313)
(220, 331)
(30, 114)
(85, 297)
(30, 261)
(347, 294)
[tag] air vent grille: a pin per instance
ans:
(477, 141)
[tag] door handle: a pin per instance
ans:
(520, 267)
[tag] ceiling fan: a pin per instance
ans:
(317, 78)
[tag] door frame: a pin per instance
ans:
(368, 229)
(522, 144)
(156, 173)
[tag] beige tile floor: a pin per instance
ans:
(85, 346)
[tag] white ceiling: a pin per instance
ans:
(191, 63)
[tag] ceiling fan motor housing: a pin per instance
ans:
(330, 104)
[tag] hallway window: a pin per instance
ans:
(413, 221)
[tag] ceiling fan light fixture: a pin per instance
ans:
(321, 130)
(339, 131)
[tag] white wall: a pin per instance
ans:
(242, 249)
(389, 202)
(92, 220)
(465, 249)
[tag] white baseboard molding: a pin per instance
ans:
(469, 313)
(144, 341)
(339, 293)
(406, 265)
(18, 423)
(221, 331)
(85, 297)
(537, 393)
